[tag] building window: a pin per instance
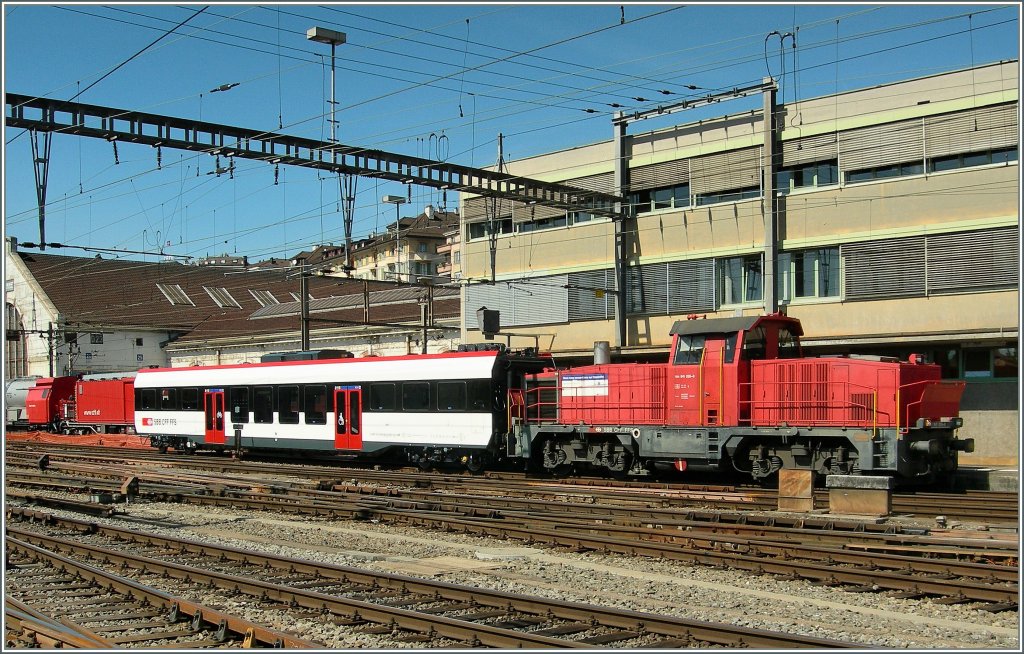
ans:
(96, 339)
(544, 223)
(995, 362)
(884, 172)
(666, 197)
(175, 294)
(221, 297)
(734, 195)
(264, 297)
(422, 249)
(479, 230)
(740, 279)
(825, 173)
(809, 274)
(138, 342)
(952, 162)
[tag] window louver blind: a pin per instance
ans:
(821, 147)
(723, 171)
(659, 175)
(602, 182)
(522, 212)
(884, 269)
(478, 208)
(881, 145)
(584, 303)
(974, 260)
(540, 301)
(647, 289)
(691, 285)
(984, 128)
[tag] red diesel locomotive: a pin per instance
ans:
(737, 393)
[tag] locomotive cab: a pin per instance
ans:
(709, 374)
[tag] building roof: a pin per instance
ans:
(95, 293)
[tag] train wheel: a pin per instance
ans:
(162, 449)
(475, 464)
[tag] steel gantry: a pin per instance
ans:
(60, 116)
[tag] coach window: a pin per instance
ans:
(145, 399)
(314, 403)
(451, 396)
(479, 395)
(353, 412)
(288, 405)
(168, 399)
(189, 399)
(239, 404)
(416, 396)
(689, 349)
(382, 397)
(263, 405)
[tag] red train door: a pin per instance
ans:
(348, 418)
(213, 406)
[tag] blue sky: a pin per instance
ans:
(439, 81)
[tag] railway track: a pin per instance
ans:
(985, 506)
(55, 601)
(410, 609)
(958, 571)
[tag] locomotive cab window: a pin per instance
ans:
(263, 405)
(754, 344)
(288, 405)
(189, 399)
(314, 404)
(689, 349)
(789, 344)
(239, 397)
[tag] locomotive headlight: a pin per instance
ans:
(927, 423)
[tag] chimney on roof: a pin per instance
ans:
(14, 244)
(428, 211)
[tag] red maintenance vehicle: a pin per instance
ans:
(74, 405)
(737, 394)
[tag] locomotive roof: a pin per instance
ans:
(728, 325)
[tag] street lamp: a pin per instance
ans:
(334, 39)
(398, 201)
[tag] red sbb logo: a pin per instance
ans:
(147, 422)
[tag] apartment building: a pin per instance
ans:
(409, 250)
(896, 230)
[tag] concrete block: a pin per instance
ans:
(865, 482)
(860, 501)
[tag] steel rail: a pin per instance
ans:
(784, 567)
(623, 619)
(241, 628)
(46, 631)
